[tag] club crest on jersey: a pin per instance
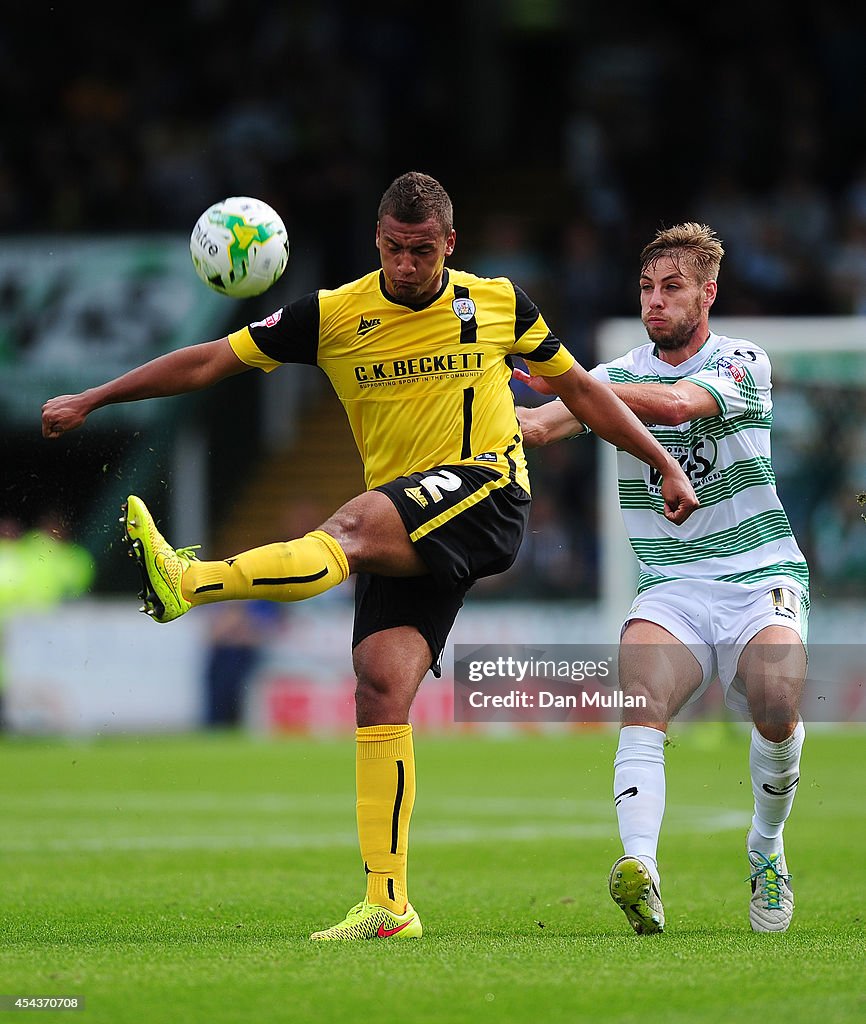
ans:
(729, 368)
(464, 308)
(271, 321)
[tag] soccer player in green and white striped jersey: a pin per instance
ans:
(725, 594)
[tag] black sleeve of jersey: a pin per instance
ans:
(525, 315)
(294, 338)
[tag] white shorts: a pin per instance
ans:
(716, 620)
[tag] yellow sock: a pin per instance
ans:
(289, 571)
(385, 778)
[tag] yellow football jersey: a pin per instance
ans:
(422, 386)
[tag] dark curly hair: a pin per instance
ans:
(415, 197)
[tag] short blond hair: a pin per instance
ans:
(695, 244)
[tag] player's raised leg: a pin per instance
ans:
(366, 534)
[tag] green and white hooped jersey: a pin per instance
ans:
(741, 533)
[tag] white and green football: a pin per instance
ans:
(239, 247)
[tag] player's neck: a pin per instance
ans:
(681, 355)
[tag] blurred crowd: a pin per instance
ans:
(565, 133)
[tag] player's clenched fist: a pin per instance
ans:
(66, 412)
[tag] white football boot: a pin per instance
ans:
(772, 904)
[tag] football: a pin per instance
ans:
(239, 247)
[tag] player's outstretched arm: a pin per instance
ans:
(547, 423)
(593, 403)
(175, 373)
(669, 404)
(544, 424)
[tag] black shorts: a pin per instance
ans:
(465, 523)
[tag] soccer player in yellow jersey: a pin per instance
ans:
(420, 356)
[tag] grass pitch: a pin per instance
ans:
(177, 879)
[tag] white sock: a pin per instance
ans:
(775, 771)
(639, 792)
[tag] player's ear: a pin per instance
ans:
(710, 290)
(377, 234)
(450, 242)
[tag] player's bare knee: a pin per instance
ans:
(646, 705)
(380, 700)
(775, 708)
(372, 535)
(776, 730)
(775, 718)
(347, 528)
(372, 684)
